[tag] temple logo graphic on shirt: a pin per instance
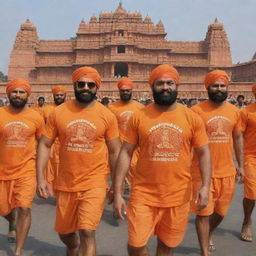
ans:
(219, 129)
(165, 142)
(80, 136)
(124, 118)
(16, 134)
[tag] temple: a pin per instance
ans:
(119, 44)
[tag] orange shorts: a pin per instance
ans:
(224, 189)
(16, 193)
(250, 179)
(169, 223)
(79, 210)
(208, 210)
(221, 195)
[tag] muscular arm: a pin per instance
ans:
(113, 150)
(239, 152)
(43, 153)
(206, 174)
(122, 167)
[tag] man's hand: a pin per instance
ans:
(119, 206)
(110, 195)
(42, 189)
(202, 197)
(240, 175)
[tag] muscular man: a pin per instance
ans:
(123, 110)
(51, 171)
(86, 130)
(223, 125)
(249, 129)
(20, 127)
(165, 132)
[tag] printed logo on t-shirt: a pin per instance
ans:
(165, 142)
(80, 136)
(124, 118)
(16, 134)
(219, 129)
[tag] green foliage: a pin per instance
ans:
(3, 77)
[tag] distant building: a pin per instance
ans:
(125, 44)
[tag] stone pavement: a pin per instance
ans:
(112, 234)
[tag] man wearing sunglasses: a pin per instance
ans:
(88, 133)
(123, 110)
(165, 132)
(59, 96)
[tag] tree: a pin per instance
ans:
(3, 77)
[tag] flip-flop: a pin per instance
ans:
(11, 239)
(211, 247)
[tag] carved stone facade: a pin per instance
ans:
(122, 44)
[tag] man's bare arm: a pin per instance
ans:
(43, 153)
(239, 152)
(122, 167)
(206, 174)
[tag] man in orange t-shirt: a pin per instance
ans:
(87, 131)
(20, 127)
(249, 129)
(123, 110)
(165, 132)
(40, 105)
(223, 125)
(59, 97)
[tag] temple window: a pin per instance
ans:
(120, 49)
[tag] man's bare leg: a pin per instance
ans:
(246, 232)
(137, 251)
(202, 228)
(215, 220)
(71, 242)
(11, 218)
(163, 250)
(22, 228)
(87, 243)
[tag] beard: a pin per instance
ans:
(125, 97)
(59, 101)
(85, 98)
(217, 97)
(18, 104)
(164, 97)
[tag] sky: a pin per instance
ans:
(184, 20)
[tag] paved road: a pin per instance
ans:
(112, 235)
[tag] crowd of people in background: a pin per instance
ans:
(240, 101)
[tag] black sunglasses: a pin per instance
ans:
(82, 84)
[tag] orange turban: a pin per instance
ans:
(167, 71)
(254, 89)
(215, 75)
(87, 72)
(59, 89)
(125, 83)
(18, 83)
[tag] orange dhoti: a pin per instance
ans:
(79, 210)
(16, 193)
(250, 178)
(168, 223)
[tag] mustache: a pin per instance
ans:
(83, 91)
(164, 90)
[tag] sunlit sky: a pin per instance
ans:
(184, 20)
